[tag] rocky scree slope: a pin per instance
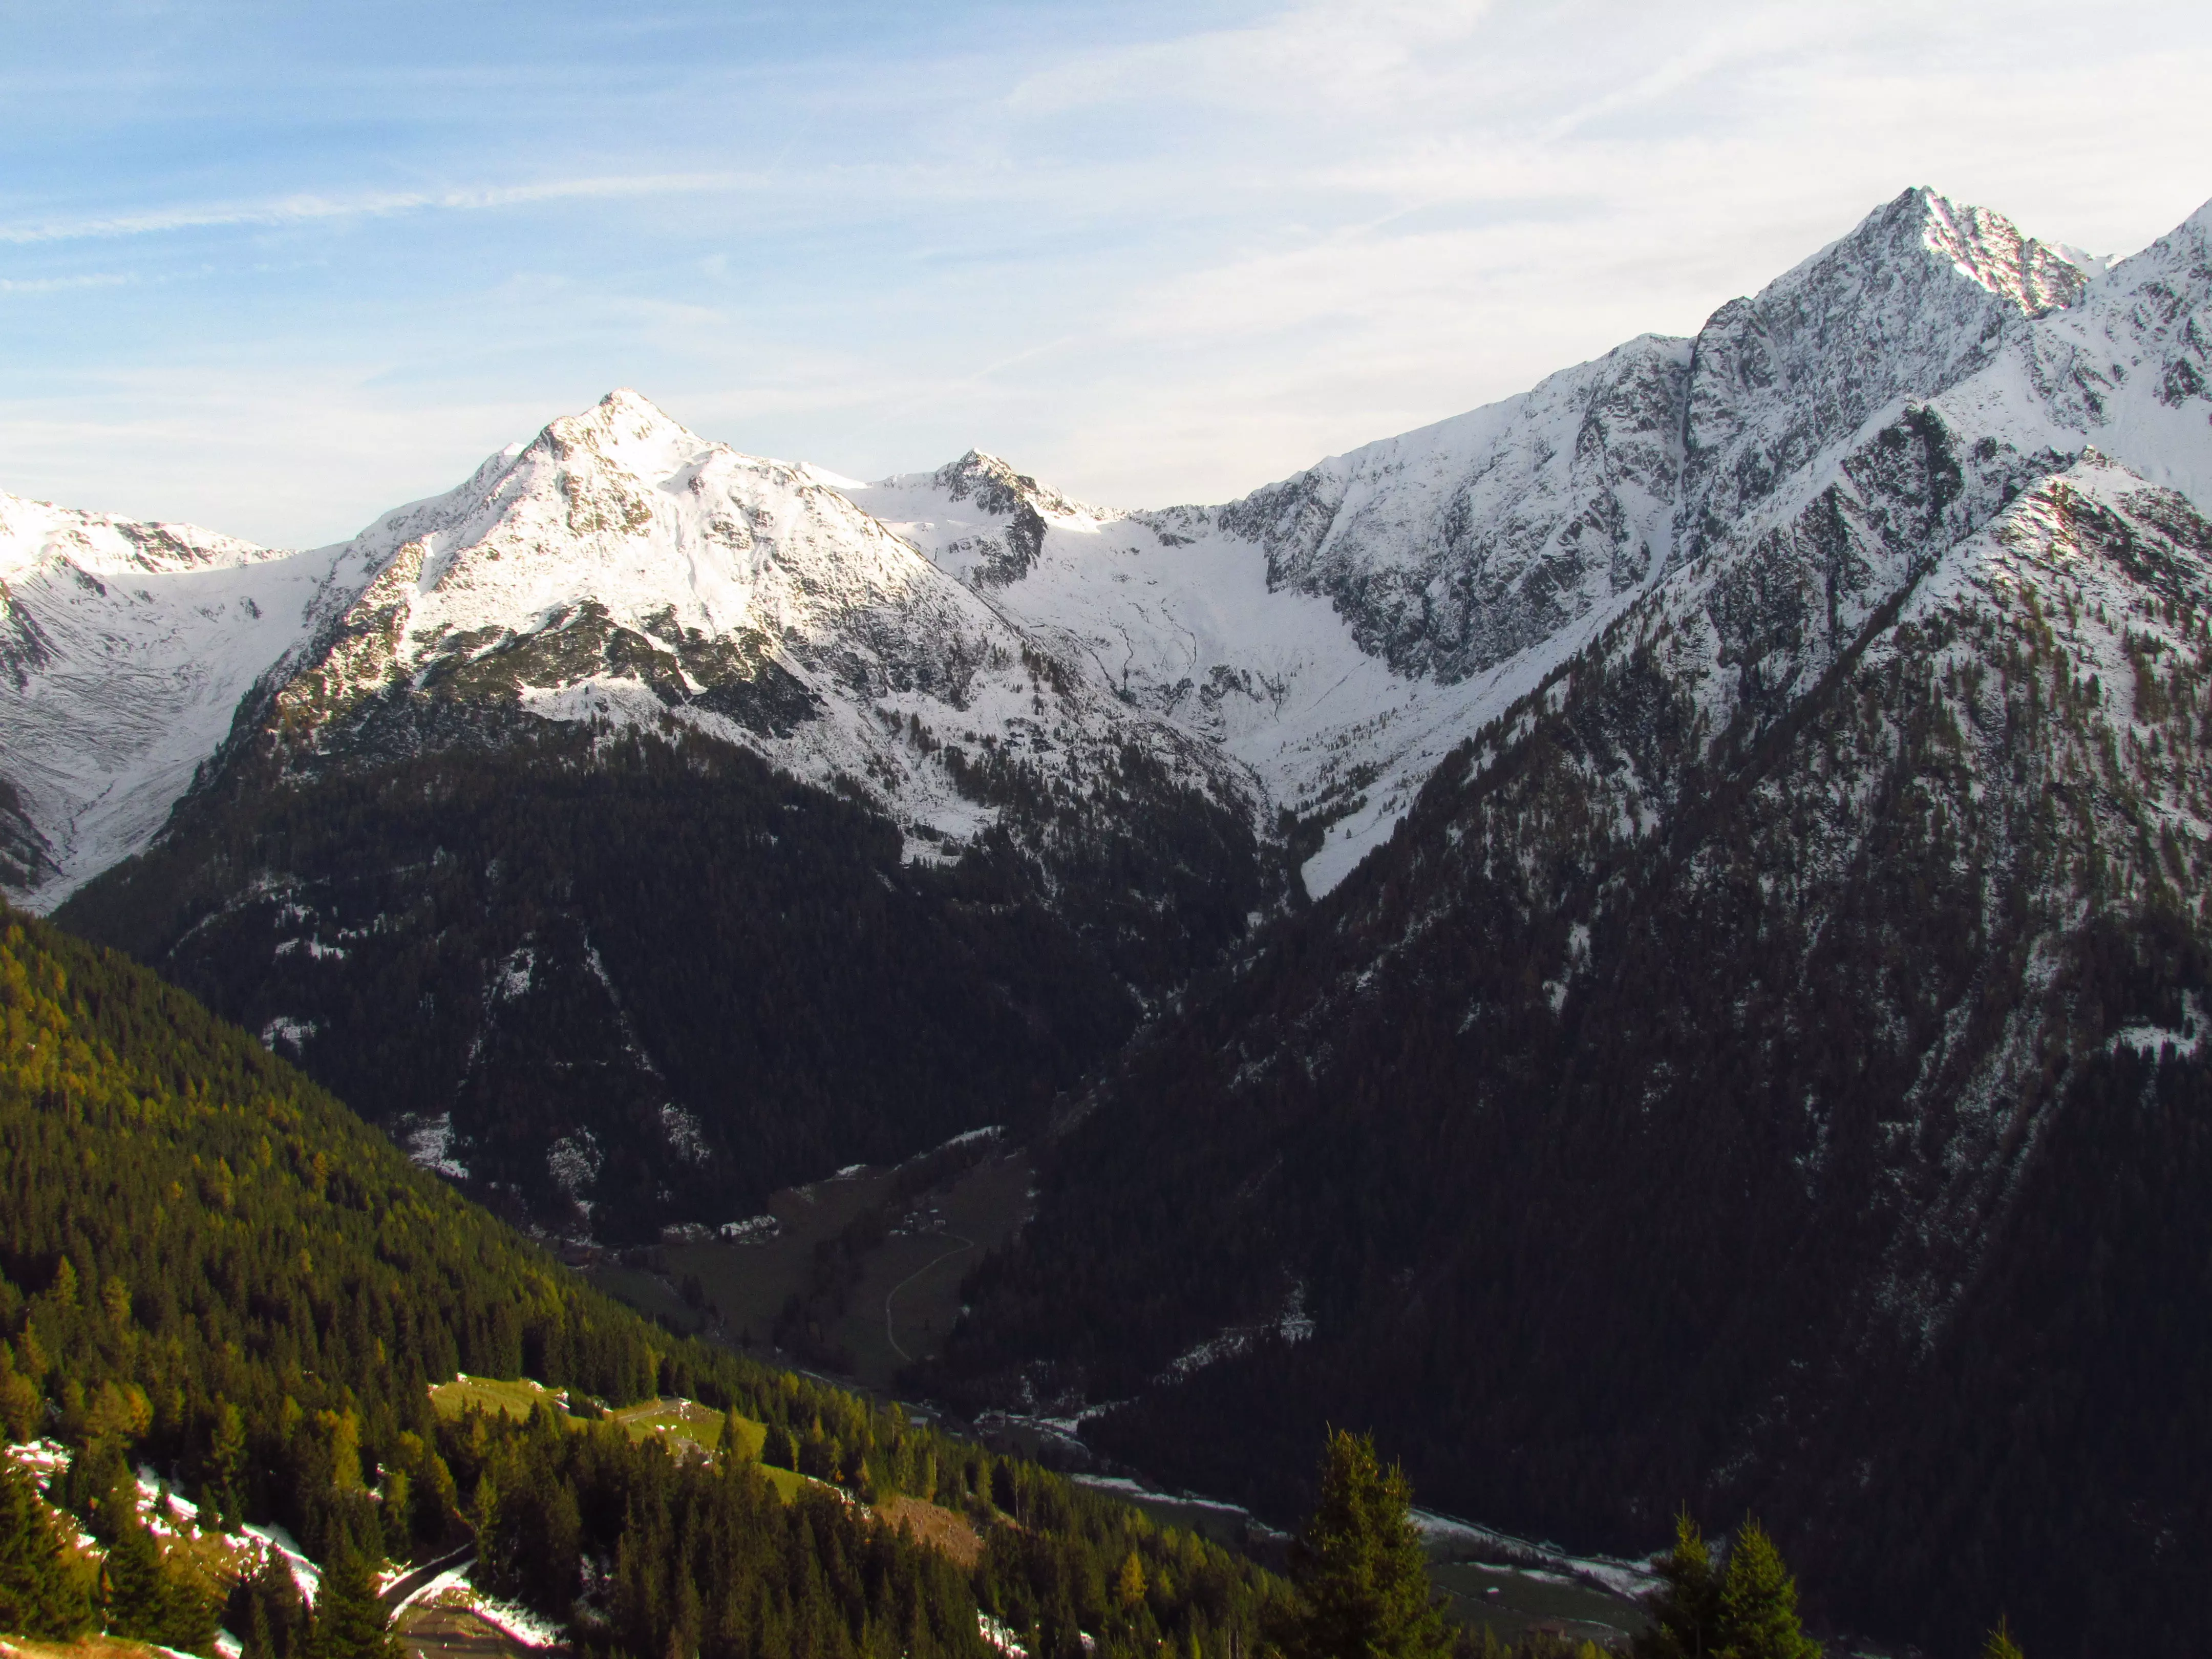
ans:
(653, 828)
(1765, 1068)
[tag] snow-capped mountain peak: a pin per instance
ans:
(1985, 246)
(1328, 638)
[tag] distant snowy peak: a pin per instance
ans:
(996, 488)
(1922, 294)
(621, 514)
(101, 544)
(976, 519)
(125, 651)
(1318, 646)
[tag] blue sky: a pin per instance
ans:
(274, 268)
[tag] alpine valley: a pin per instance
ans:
(1649, 941)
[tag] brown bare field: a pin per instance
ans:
(89, 1647)
(934, 1525)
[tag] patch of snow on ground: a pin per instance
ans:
(292, 1033)
(685, 1138)
(1622, 1577)
(2149, 1039)
(430, 1147)
(454, 1578)
(988, 1132)
(519, 1622)
(305, 1573)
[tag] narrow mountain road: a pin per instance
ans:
(397, 1592)
(890, 1330)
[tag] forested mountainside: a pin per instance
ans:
(617, 978)
(656, 830)
(208, 1265)
(1786, 1103)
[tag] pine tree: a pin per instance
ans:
(276, 1617)
(350, 1622)
(19, 1398)
(1362, 1581)
(1999, 1644)
(1685, 1609)
(152, 1597)
(39, 1595)
(1758, 1603)
(227, 1463)
(1130, 1586)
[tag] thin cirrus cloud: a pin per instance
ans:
(282, 280)
(304, 209)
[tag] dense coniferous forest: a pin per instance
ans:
(206, 1265)
(702, 979)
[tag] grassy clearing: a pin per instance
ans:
(938, 1528)
(744, 1286)
(789, 1483)
(1514, 1601)
(688, 1420)
(516, 1398)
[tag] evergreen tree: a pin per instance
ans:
(154, 1597)
(1130, 1586)
(1758, 1603)
(19, 1398)
(1685, 1609)
(350, 1622)
(1999, 1644)
(1362, 1582)
(135, 1598)
(38, 1594)
(267, 1611)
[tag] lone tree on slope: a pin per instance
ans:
(1361, 1581)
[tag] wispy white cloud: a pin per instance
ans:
(306, 208)
(64, 284)
(1331, 58)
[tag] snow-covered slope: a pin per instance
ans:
(621, 568)
(1317, 647)
(1341, 631)
(125, 650)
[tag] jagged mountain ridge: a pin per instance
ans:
(1765, 1067)
(1461, 563)
(622, 577)
(1458, 563)
(621, 569)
